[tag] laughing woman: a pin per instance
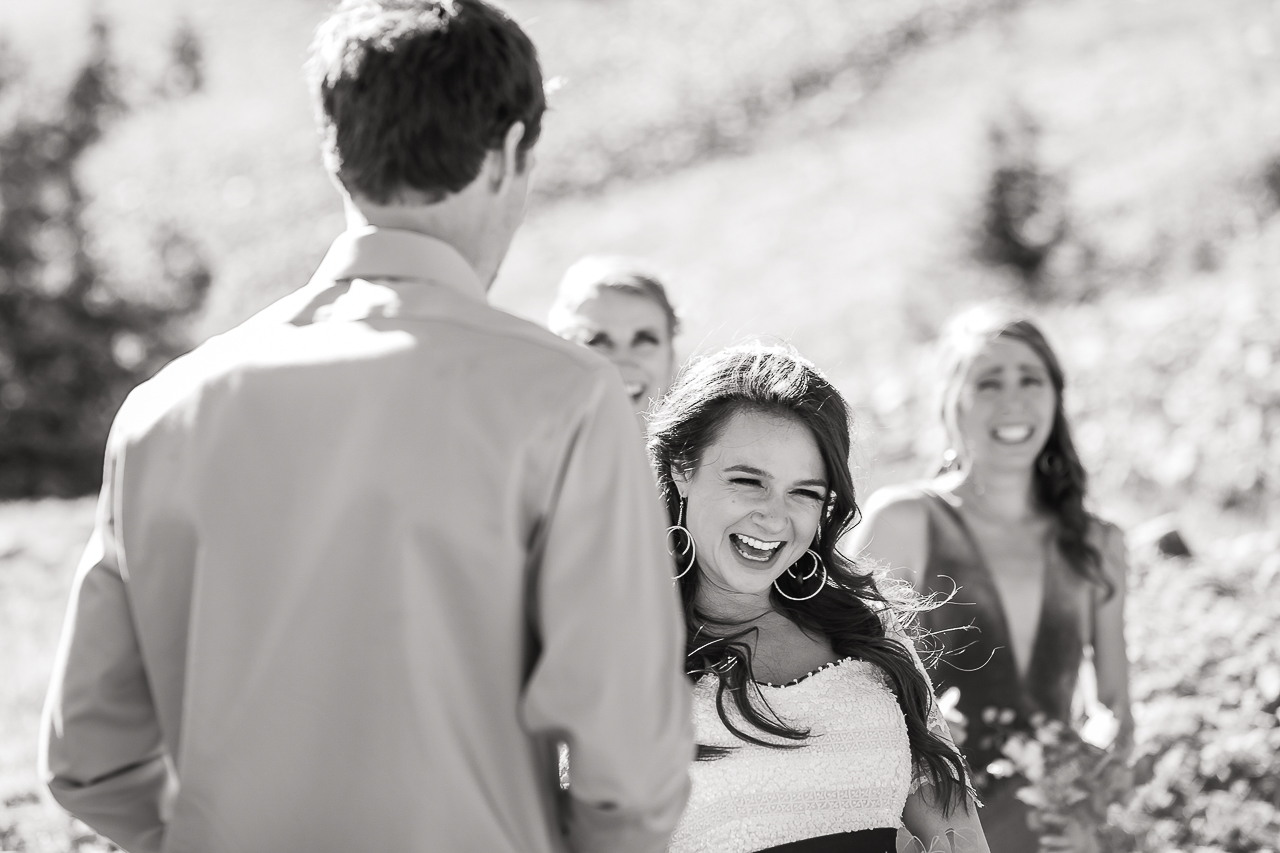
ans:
(816, 724)
(1004, 532)
(620, 308)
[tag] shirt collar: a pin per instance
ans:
(373, 253)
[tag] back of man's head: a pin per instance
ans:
(412, 94)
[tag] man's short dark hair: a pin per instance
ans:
(412, 94)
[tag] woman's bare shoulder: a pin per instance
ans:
(893, 513)
(894, 532)
(1104, 534)
(1109, 539)
(901, 497)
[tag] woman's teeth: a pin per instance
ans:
(756, 550)
(1013, 434)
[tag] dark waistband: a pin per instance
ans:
(862, 841)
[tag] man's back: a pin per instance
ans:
(378, 556)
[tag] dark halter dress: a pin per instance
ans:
(978, 658)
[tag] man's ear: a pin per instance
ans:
(503, 164)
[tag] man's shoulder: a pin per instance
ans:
(510, 336)
(176, 385)
(528, 353)
(510, 356)
(537, 340)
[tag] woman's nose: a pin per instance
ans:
(771, 514)
(624, 359)
(1015, 398)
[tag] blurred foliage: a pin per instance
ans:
(1205, 643)
(1068, 779)
(1184, 396)
(71, 349)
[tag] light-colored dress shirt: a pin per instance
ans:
(358, 565)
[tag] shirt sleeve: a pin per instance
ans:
(609, 679)
(101, 751)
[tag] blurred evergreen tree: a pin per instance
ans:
(1023, 216)
(70, 348)
(185, 75)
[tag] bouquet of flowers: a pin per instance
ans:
(1074, 778)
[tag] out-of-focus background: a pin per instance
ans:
(842, 175)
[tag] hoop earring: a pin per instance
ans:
(1049, 463)
(817, 561)
(689, 547)
(817, 564)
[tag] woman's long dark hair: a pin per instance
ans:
(1059, 478)
(776, 380)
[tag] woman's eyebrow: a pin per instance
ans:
(821, 484)
(747, 469)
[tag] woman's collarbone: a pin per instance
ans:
(780, 657)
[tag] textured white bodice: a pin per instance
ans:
(853, 772)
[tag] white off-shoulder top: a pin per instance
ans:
(854, 771)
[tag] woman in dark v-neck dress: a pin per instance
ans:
(1033, 579)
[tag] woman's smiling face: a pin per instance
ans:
(1006, 406)
(754, 504)
(632, 332)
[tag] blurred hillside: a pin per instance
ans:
(822, 171)
(814, 171)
